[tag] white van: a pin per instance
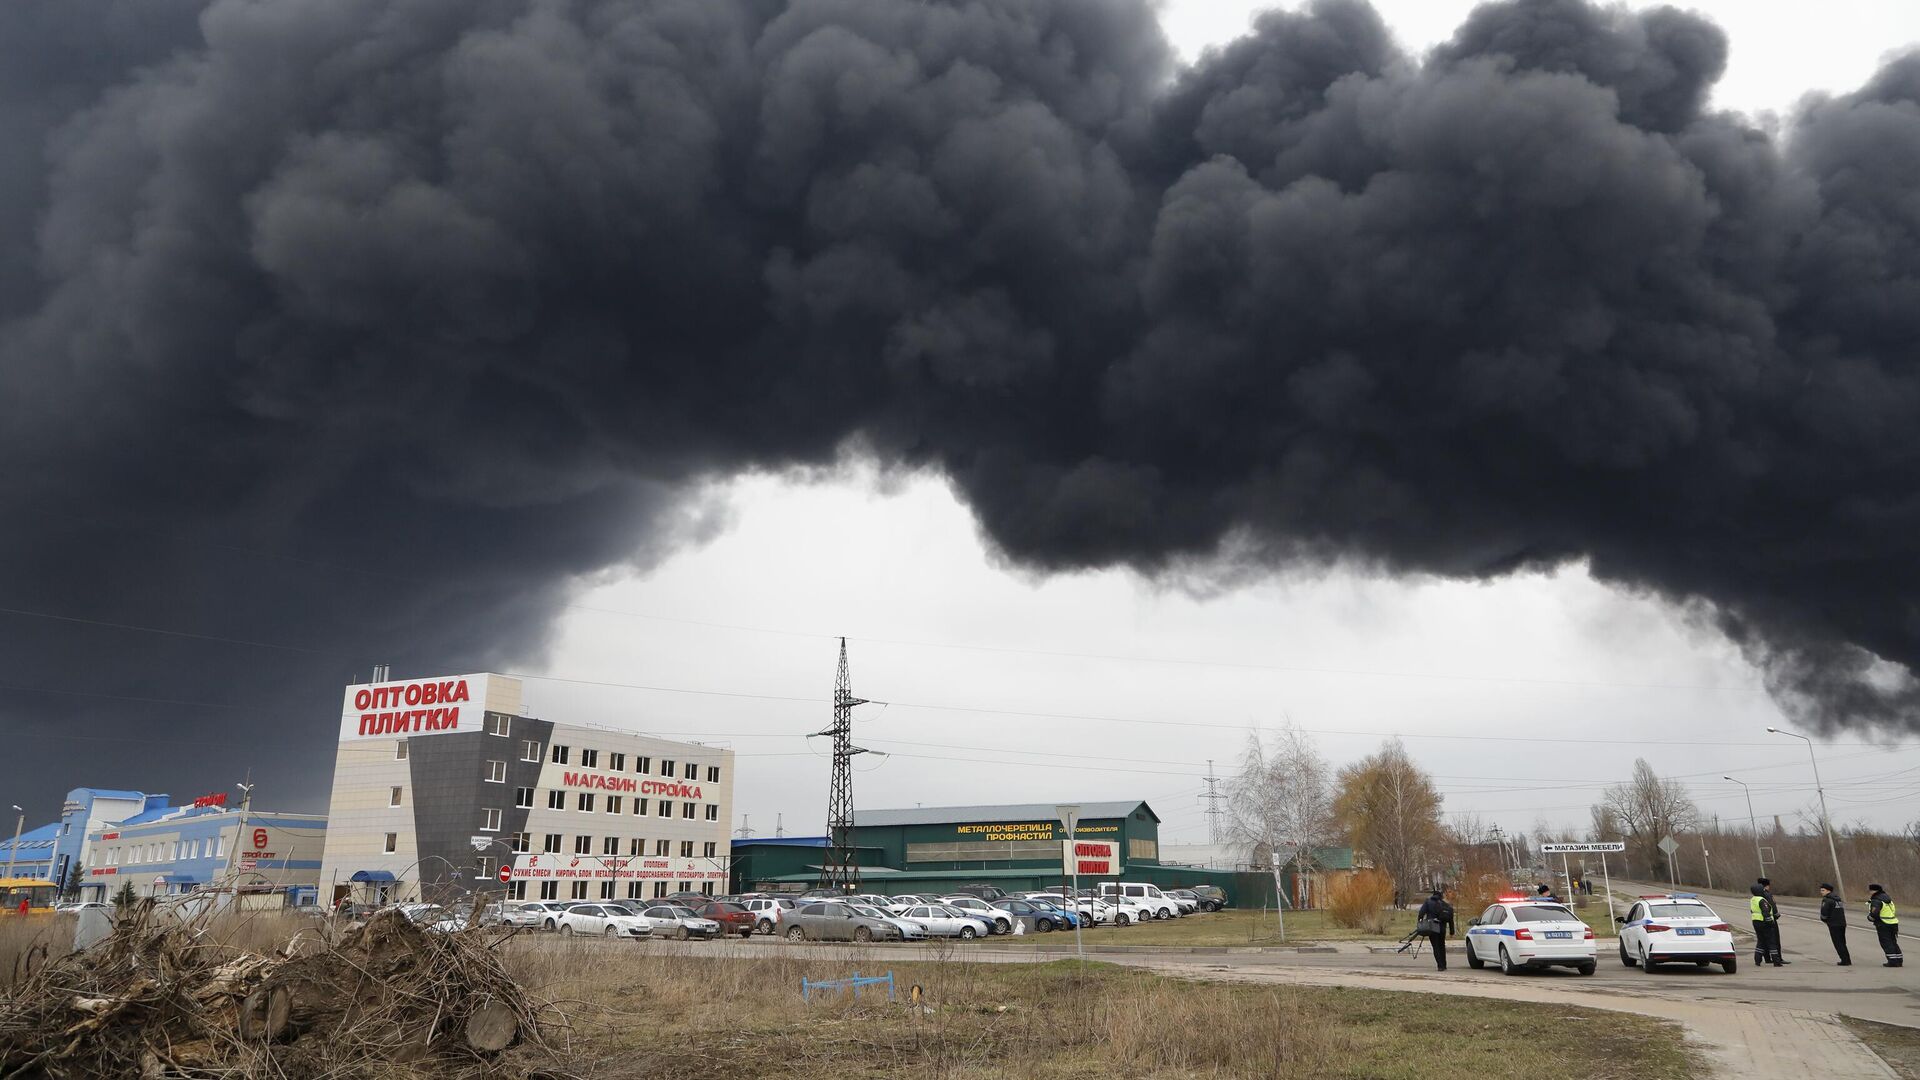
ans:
(1145, 894)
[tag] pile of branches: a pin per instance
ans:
(158, 998)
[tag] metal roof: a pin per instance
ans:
(943, 815)
(109, 793)
(780, 841)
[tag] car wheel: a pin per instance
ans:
(1588, 969)
(1473, 958)
(967, 932)
(1507, 966)
(1005, 926)
(1120, 919)
(684, 934)
(548, 927)
(862, 935)
(1624, 958)
(794, 933)
(1729, 966)
(765, 927)
(612, 932)
(566, 931)
(1045, 926)
(1646, 963)
(746, 932)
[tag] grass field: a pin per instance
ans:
(640, 1014)
(1255, 928)
(1898, 1046)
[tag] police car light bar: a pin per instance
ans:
(1511, 899)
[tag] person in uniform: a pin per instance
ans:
(1436, 922)
(1766, 926)
(1835, 916)
(1885, 918)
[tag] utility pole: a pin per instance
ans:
(1753, 823)
(1826, 822)
(1212, 799)
(19, 823)
(779, 826)
(840, 869)
(239, 834)
(745, 831)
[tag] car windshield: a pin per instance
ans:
(1544, 914)
(681, 913)
(867, 910)
(1680, 911)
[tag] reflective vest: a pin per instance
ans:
(1889, 914)
(1758, 905)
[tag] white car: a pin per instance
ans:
(1146, 895)
(768, 912)
(943, 921)
(1518, 933)
(673, 920)
(909, 929)
(603, 920)
(1675, 928)
(973, 905)
(79, 906)
(539, 914)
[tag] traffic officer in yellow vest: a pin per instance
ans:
(1766, 927)
(1885, 918)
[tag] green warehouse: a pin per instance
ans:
(1017, 848)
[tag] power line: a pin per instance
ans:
(1212, 799)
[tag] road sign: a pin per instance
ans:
(506, 873)
(1668, 846)
(1579, 849)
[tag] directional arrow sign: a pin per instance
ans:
(1582, 849)
(1667, 845)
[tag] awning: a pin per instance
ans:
(24, 883)
(372, 875)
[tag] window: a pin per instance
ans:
(589, 759)
(686, 811)
(642, 764)
(177, 848)
(660, 888)
(586, 802)
(521, 843)
(706, 887)
(490, 819)
(496, 772)
(613, 804)
(666, 808)
(529, 751)
(666, 768)
(400, 750)
(662, 847)
(517, 891)
(487, 868)
(552, 844)
(610, 846)
(523, 798)
(693, 771)
(606, 890)
(616, 763)
(633, 890)
(711, 849)
(684, 886)
(220, 845)
(583, 844)
(639, 806)
(497, 724)
(393, 796)
(559, 754)
(636, 847)
(549, 890)
(579, 890)
(556, 800)
(393, 843)
(686, 849)
(713, 774)
(713, 812)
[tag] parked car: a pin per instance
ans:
(1148, 895)
(973, 905)
(909, 930)
(943, 921)
(1044, 919)
(542, 914)
(1212, 897)
(988, 893)
(605, 919)
(76, 907)
(768, 911)
(1067, 917)
(733, 918)
(827, 920)
(677, 921)
(1188, 902)
(822, 894)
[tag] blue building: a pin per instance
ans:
(170, 850)
(54, 851)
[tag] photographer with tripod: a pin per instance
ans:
(1435, 922)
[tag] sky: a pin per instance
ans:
(1465, 672)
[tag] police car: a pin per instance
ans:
(1675, 928)
(1520, 932)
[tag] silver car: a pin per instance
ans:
(672, 920)
(831, 921)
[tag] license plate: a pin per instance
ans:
(1555, 935)
(1692, 931)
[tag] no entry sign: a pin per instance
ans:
(506, 873)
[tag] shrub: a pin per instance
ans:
(1361, 901)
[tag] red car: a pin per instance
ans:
(733, 918)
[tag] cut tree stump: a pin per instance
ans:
(265, 1013)
(492, 1027)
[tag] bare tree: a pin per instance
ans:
(1647, 808)
(1281, 802)
(1389, 809)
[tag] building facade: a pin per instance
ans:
(56, 853)
(171, 850)
(444, 786)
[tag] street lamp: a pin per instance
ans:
(1826, 821)
(1070, 816)
(18, 824)
(1752, 823)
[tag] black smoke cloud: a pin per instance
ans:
(361, 328)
